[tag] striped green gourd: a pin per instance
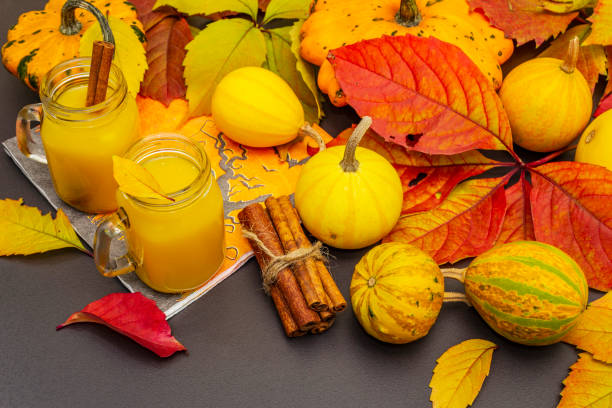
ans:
(529, 292)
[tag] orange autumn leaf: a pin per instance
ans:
(466, 224)
(460, 373)
(135, 180)
(518, 222)
(512, 18)
(422, 93)
(601, 20)
(591, 59)
(24, 230)
(157, 118)
(589, 384)
(593, 332)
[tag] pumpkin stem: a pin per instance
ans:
(71, 26)
(454, 273)
(408, 14)
(349, 163)
(307, 130)
(456, 297)
(571, 58)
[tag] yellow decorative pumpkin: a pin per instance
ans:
(349, 197)
(595, 144)
(41, 39)
(548, 101)
(255, 107)
(397, 291)
(336, 23)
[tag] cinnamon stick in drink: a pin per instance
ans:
(338, 303)
(255, 219)
(305, 271)
(101, 61)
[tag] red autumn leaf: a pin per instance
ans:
(591, 58)
(512, 18)
(466, 224)
(148, 17)
(571, 207)
(518, 224)
(134, 316)
(166, 43)
(604, 105)
(422, 93)
(263, 4)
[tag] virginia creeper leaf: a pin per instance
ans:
(24, 230)
(602, 24)
(589, 384)
(306, 70)
(220, 48)
(422, 93)
(570, 204)
(518, 223)
(166, 43)
(149, 17)
(288, 9)
(564, 6)
(460, 373)
(510, 16)
(593, 332)
(135, 180)
(134, 316)
(129, 50)
(249, 7)
(604, 105)
(466, 224)
(281, 60)
(591, 59)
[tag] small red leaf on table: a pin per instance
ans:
(518, 225)
(166, 43)
(134, 316)
(422, 93)
(512, 17)
(466, 224)
(571, 204)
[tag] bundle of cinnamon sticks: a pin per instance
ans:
(305, 294)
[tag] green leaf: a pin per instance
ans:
(130, 54)
(287, 9)
(220, 48)
(206, 7)
(282, 60)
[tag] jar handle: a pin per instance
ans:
(110, 230)
(28, 132)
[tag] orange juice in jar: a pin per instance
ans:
(173, 246)
(79, 141)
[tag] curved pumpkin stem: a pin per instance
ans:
(408, 14)
(454, 273)
(456, 297)
(71, 26)
(569, 65)
(307, 130)
(349, 163)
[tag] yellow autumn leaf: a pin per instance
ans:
(135, 180)
(130, 54)
(593, 332)
(208, 7)
(24, 230)
(460, 372)
(589, 384)
(602, 24)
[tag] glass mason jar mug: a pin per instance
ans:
(78, 142)
(173, 246)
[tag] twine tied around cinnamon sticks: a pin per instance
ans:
(276, 264)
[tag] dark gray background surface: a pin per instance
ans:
(238, 354)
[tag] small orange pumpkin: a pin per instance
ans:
(41, 39)
(336, 23)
